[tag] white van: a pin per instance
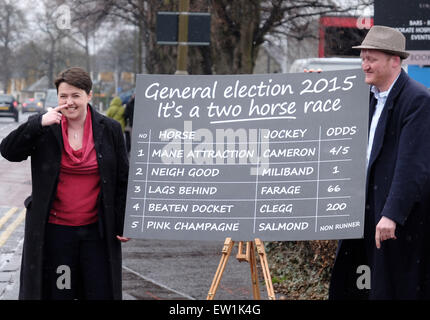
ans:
(325, 64)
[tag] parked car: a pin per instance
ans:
(9, 107)
(32, 105)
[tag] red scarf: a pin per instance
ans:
(84, 160)
(75, 203)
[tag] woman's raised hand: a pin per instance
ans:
(53, 115)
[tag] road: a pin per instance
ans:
(152, 270)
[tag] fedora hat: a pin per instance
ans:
(385, 39)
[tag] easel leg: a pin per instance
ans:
(254, 272)
(265, 267)
(250, 257)
(226, 251)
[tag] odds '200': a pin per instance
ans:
(336, 206)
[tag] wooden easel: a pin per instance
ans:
(248, 256)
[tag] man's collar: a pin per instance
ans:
(384, 94)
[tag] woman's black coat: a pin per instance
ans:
(44, 145)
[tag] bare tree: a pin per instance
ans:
(131, 12)
(48, 25)
(238, 29)
(87, 17)
(136, 13)
(118, 55)
(29, 61)
(12, 23)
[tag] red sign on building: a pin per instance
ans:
(337, 35)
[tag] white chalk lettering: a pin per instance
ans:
(198, 190)
(162, 207)
(285, 134)
(287, 171)
(261, 90)
(168, 172)
(163, 225)
(212, 208)
(288, 153)
(276, 208)
(347, 225)
(320, 106)
(284, 226)
(161, 190)
(200, 172)
(206, 226)
(291, 190)
(175, 134)
(154, 92)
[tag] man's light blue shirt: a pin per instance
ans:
(382, 98)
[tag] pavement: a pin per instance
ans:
(9, 277)
(11, 240)
(152, 269)
(173, 282)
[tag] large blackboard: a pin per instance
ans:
(275, 157)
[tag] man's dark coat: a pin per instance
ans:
(398, 187)
(45, 145)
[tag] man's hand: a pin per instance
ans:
(385, 229)
(122, 239)
(319, 70)
(53, 115)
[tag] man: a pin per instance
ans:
(395, 251)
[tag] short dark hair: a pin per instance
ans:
(76, 77)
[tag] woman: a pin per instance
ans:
(75, 216)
